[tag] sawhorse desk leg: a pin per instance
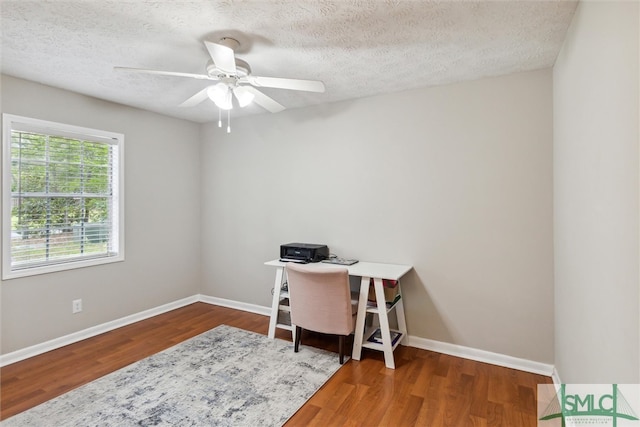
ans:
(360, 318)
(277, 285)
(383, 320)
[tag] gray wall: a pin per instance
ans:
(596, 196)
(454, 180)
(162, 219)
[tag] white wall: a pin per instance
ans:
(455, 180)
(162, 219)
(596, 211)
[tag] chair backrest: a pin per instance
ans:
(320, 298)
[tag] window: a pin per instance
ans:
(62, 197)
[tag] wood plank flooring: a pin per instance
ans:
(425, 389)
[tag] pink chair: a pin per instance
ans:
(320, 301)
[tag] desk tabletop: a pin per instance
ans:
(361, 268)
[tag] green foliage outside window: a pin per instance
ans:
(61, 189)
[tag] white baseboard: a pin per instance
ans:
(25, 353)
(481, 355)
(251, 308)
(422, 343)
(556, 377)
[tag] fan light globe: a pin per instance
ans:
(221, 95)
(243, 96)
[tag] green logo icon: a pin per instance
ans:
(578, 407)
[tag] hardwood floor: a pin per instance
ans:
(425, 389)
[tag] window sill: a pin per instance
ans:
(34, 271)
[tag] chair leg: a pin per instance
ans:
(341, 348)
(296, 345)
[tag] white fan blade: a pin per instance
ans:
(264, 101)
(196, 99)
(292, 84)
(166, 73)
(222, 57)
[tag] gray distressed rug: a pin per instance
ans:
(223, 377)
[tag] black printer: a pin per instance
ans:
(303, 252)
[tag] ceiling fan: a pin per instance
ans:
(235, 79)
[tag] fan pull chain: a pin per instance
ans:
(228, 121)
(219, 117)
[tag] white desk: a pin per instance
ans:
(366, 271)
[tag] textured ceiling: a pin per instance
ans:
(358, 48)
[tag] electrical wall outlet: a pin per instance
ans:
(76, 306)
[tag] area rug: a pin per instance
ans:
(223, 377)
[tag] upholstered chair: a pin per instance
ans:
(320, 301)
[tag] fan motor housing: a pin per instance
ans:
(242, 70)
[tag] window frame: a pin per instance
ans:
(11, 122)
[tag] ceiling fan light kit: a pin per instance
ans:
(234, 79)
